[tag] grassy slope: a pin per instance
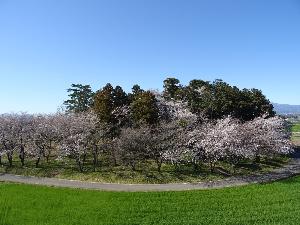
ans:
(121, 174)
(276, 203)
(146, 173)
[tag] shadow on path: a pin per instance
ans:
(289, 170)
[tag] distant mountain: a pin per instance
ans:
(284, 109)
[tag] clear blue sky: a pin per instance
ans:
(47, 45)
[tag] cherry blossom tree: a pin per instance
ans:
(25, 129)
(44, 137)
(267, 137)
(133, 145)
(76, 131)
(209, 141)
(173, 109)
(163, 137)
(231, 140)
(9, 135)
(178, 138)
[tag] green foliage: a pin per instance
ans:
(212, 100)
(104, 104)
(172, 88)
(120, 98)
(107, 100)
(275, 203)
(253, 103)
(144, 109)
(218, 99)
(81, 98)
(135, 91)
(296, 127)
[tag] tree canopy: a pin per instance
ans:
(208, 100)
(81, 98)
(217, 99)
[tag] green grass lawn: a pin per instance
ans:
(296, 127)
(296, 139)
(296, 134)
(145, 173)
(276, 203)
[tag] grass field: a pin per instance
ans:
(296, 134)
(296, 139)
(276, 203)
(145, 173)
(120, 174)
(296, 127)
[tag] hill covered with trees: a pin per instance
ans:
(202, 123)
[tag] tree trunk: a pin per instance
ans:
(80, 165)
(212, 167)
(176, 167)
(133, 166)
(47, 157)
(159, 163)
(95, 155)
(114, 158)
(196, 166)
(22, 155)
(257, 159)
(233, 165)
(0, 160)
(49, 152)
(10, 159)
(37, 162)
(84, 158)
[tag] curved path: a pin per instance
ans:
(291, 169)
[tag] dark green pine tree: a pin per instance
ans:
(144, 109)
(135, 91)
(104, 104)
(81, 98)
(120, 97)
(171, 88)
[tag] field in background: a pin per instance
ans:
(296, 127)
(296, 134)
(276, 203)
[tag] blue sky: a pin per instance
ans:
(47, 45)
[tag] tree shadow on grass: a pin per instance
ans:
(249, 166)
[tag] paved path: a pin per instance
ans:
(292, 169)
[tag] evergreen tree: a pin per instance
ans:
(135, 91)
(104, 104)
(171, 88)
(218, 99)
(81, 98)
(144, 109)
(120, 97)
